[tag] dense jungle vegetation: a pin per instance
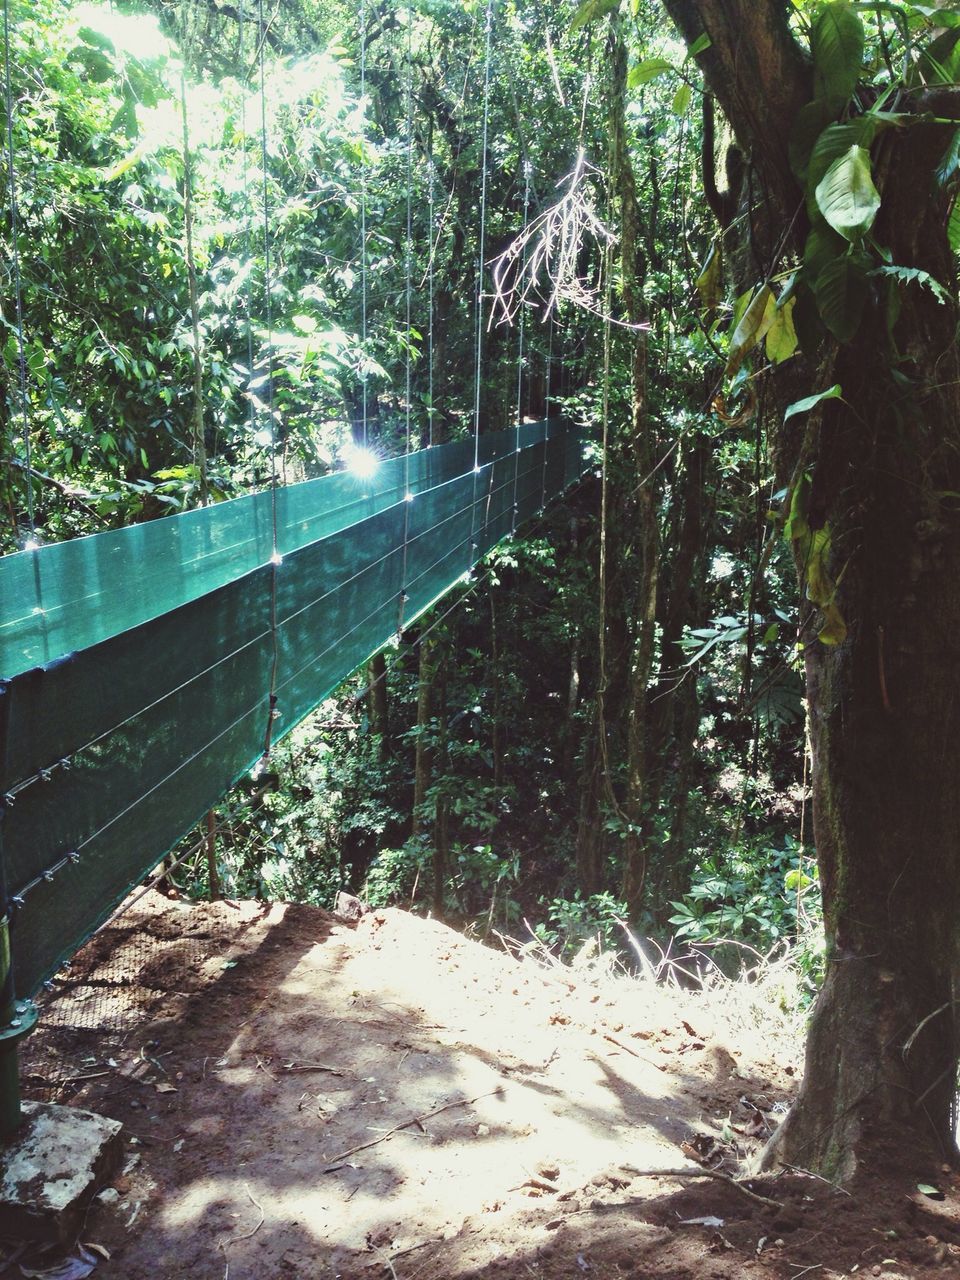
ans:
(245, 223)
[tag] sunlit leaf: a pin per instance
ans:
(590, 10)
(649, 69)
(782, 342)
(953, 226)
(752, 328)
(681, 100)
(837, 44)
(846, 195)
(811, 402)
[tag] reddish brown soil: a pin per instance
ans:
(393, 1100)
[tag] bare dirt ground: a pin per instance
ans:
(314, 1099)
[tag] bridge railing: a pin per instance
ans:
(139, 668)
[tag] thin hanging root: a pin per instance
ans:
(543, 258)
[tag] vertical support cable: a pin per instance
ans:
(481, 254)
(430, 407)
(18, 281)
(275, 558)
(248, 236)
(408, 262)
(527, 169)
(546, 425)
(363, 218)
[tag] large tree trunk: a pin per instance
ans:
(885, 725)
(882, 1050)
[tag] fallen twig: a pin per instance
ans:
(291, 1067)
(427, 1115)
(402, 1253)
(703, 1173)
(660, 1066)
(541, 1184)
(794, 1168)
(388, 1264)
(247, 1234)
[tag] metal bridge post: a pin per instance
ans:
(17, 1017)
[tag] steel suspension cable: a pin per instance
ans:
(17, 277)
(527, 172)
(408, 243)
(432, 213)
(546, 407)
(275, 558)
(408, 268)
(363, 221)
(481, 252)
(248, 235)
(481, 255)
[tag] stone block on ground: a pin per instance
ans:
(51, 1167)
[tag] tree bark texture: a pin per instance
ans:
(378, 705)
(884, 704)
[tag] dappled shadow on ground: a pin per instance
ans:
(398, 1101)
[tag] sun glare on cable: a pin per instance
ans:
(360, 462)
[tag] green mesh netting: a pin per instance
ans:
(136, 666)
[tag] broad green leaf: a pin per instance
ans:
(822, 247)
(710, 280)
(835, 141)
(837, 43)
(950, 163)
(953, 226)
(700, 45)
(590, 10)
(939, 63)
(944, 17)
(648, 70)
(846, 195)
(796, 526)
(752, 328)
(810, 123)
(97, 39)
(810, 402)
(122, 166)
(841, 291)
(681, 100)
(782, 339)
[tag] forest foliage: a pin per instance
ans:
(488, 768)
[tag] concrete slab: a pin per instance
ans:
(51, 1167)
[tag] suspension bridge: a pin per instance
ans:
(143, 671)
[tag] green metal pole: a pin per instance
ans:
(17, 1019)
